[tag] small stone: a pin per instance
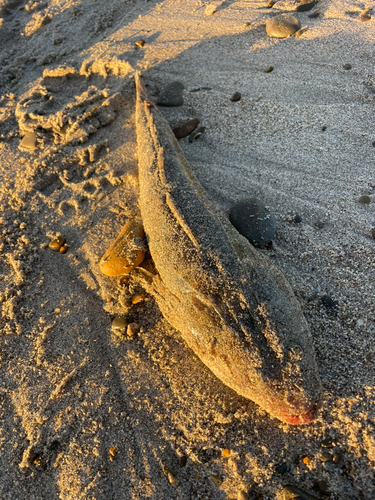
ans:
(364, 199)
(216, 479)
(324, 128)
(210, 9)
(253, 220)
(301, 32)
(242, 495)
(119, 325)
(171, 95)
(327, 443)
(321, 487)
(182, 461)
(186, 128)
(225, 452)
(347, 66)
(326, 457)
(29, 141)
(314, 14)
(57, 310)
(173, 480)
(306, 460)
(168, 470)
(196, 134)
(336, 458)
(270, 4)
(373, 232)
(113, 451)
(139, 297)
(57, 243)
(364, 16)
(132, 329)
(281, 469)
(64, 248)
(282, 26)
(329, 303)
(291, 492)
(140, 43)
(268, 69)
(236, 97)
(305, 5)
(297, 219)
(126, 252)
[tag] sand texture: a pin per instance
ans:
(86, 414)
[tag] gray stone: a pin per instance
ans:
(305, 5)
(171, 95)
(253, 220)
(282, 26)
(236, 97)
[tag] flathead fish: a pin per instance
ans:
(233, 307)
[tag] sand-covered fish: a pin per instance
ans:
(233, 307)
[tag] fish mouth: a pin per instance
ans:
(304, 418)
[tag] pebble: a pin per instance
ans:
(216, 479)
(186, 128)
(336, 458)
(281, 469)
(324, 128)
(210, 9)
(291, 492)
(373, 232)
(315, 14)
(326, 457)
(139, 297)
(57, 243)
(64, 248)
(364, 199)
(270, 4)
(133, 329)
(112, 452)
(321, 487)
(300, 32)
(236, 97)
(305, 5)
(364, 16)
(347, 66)
(330, 303)
(119, 325)
(126, 252)
(182, 461)
(140, 43)
(282, 26)
(268, 69)
(196, 134)
(171, 95)
(253, 220)
(29, 141)
(297, 219)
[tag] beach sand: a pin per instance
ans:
(86, 414)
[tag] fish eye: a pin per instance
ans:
(295, 352)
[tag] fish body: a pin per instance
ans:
(233, 307)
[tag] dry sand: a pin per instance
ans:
(71, 390)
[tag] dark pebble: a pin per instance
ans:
(186, 128)
(182, 461)
(281, 469)
(364, 199)
(347, 66)
(330, 303)
(196, 134)
(373, 143)
(270, 4)
(204, 456)
(297, 219)
(373, 232)
(253, 220)
(305, 5)
(236, 97)
(140, 43)
(321, 487)
(327, 443)
(268, 69)
(315, 14)
(324, 128)
(326, 457)
(171, 95)
(291, 492)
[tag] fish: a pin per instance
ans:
(232, 306)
